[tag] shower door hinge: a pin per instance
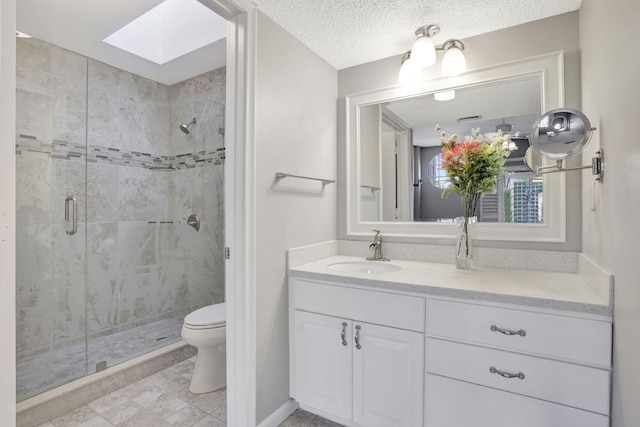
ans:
(227, 253)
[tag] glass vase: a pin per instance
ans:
(464, 244)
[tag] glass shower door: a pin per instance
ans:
(50, 205)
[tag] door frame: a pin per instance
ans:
(239, 208)
(7, 211)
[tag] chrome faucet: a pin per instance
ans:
(377, 248)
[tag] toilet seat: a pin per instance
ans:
(209, 317)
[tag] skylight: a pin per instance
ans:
(170, 30)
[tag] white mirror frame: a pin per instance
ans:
(550, 67)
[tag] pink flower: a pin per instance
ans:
(470, 145)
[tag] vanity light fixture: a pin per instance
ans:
(423, 54)
(410, 72)
(423, 50)
(453, 61)
(445, 95)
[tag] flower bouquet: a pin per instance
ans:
(473, 167)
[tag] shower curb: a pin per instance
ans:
(54, 403)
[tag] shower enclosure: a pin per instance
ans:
(108, 264)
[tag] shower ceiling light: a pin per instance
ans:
(423, 54)
(170, 30)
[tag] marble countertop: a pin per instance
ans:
(561, 291)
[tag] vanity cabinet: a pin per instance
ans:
(365, 356)
(507, 366)
(357, 356)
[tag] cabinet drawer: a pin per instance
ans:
(398, 311)
(554, 335)
(485, 407)
(561, 382)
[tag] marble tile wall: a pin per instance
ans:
(83, 123)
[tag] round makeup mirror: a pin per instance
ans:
(560, 133)
(533, 160)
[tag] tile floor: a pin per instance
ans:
(163, 399)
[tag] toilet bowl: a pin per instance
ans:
(205, 329)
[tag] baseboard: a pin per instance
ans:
(279, 415)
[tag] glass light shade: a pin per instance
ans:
(453, 62)
(409, 72)
(446, 95)
(423, 52)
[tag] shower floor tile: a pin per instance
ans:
(59, 366)
(163, 399)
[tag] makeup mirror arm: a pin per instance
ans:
(595, 166)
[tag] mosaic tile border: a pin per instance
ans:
(63, 150)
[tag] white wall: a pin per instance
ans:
(7, 213)
(295, 132)
(609, 40)
(522, 41)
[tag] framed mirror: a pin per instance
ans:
(393, 178)
(409, 169)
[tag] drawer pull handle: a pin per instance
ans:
(521, 332)
(503, 374)
(343, 333)
(357, 337)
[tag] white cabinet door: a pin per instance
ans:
(322, 363)
(388, 382)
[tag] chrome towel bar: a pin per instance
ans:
(371, 187)
(280, 175)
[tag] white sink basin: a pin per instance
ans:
(367, 267)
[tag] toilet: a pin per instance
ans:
(206, 329)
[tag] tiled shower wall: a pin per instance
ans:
(143, 262)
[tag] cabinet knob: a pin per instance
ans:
(520, 332)
(357, 337)
(343, 333)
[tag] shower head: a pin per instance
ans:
(187, 128)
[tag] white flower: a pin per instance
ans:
(505, 145)
(512, 146)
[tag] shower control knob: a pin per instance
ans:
(194, 221)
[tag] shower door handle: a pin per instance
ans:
(71, 215)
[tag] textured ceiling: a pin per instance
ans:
(343, 32)
(352, 32)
